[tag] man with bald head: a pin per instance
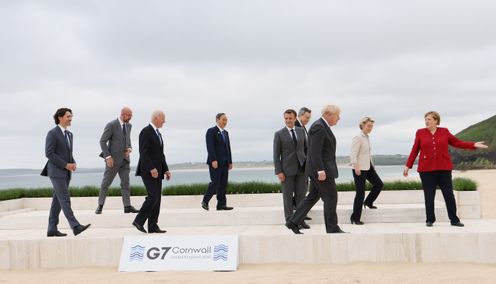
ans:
(116, 147)
(152, 168)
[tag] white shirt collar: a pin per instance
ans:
(220, 129)
(326, 122)
(154, 127)
(120, 121)
(62, 128)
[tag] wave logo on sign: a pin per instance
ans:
(137, 253)
(220, 252)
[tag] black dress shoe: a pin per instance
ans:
(293, 227)
(457, 224)
(99, 209)
(304, 225)
(307, 218)
(337, 231)
(79, 229)
(130, 209)
(429, 224)
(205, 205)
(224, 207)
(157, 230)
(369, 206)
(55, 234)
(139, 227)
(356, 222)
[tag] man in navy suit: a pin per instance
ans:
(322, 169)
(152, 168)
(60, 165)
(219, 162)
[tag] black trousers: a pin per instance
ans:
(326, 190)
(377, 185)
(151, 207)
(429, 182)
(218, 184)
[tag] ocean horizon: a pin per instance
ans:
(30, 178)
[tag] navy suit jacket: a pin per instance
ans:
(58, 152)
(217, 149)
(151, 154)
(321, 150)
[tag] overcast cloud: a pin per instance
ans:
(392, 60)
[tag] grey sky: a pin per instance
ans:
(392, 60)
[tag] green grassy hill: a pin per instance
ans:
(479, 159)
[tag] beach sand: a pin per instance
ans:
(391, 272)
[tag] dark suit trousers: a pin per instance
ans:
(218, 184)
(61, 200)
(151, 207)
(429, 182)
(377, 185)
(294, 189)
(326, 190)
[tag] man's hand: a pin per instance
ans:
(281, 177)
(214, 164)
(70, 167)
(154, 173)
(321, 175)
(168, 175)
(109, 162)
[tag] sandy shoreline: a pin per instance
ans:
(391, 272)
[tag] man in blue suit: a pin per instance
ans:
(60, 165)
(219, 162)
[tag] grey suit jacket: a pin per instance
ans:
(287, 157)
(113, 143)
(321, 154)
(58, 152)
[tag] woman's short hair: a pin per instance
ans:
(434, 115)
(364, 121)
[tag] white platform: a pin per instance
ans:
(394, 232)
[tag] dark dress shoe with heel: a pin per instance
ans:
(99, 209)
(205, 205)
(130, 209)
(139, 227)
(55, 234)
(157, 230)
(79, 229)
(307, 218)
(356, 222)
(457, 224)
(370, 206)
(224, 207)
(293, 227)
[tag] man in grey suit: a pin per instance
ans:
(289, 162)
(60, 165)
(116, 147)
(322, 169)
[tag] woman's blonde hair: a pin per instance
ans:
(434, 115)
(364, 120)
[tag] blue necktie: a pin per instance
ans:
(223, 133)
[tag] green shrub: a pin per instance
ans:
(459, 184)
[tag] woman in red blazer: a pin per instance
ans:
(435, 165)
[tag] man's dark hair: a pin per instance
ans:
(304, 110)
(290, 111)
(219, 115)
(59, 113)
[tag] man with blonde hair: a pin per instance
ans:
(322, 169)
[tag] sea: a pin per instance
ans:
(30, 178)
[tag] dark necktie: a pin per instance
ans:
(160, 138)
(124, 129)
(66, 135)
(294, 137)
(223, 133)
